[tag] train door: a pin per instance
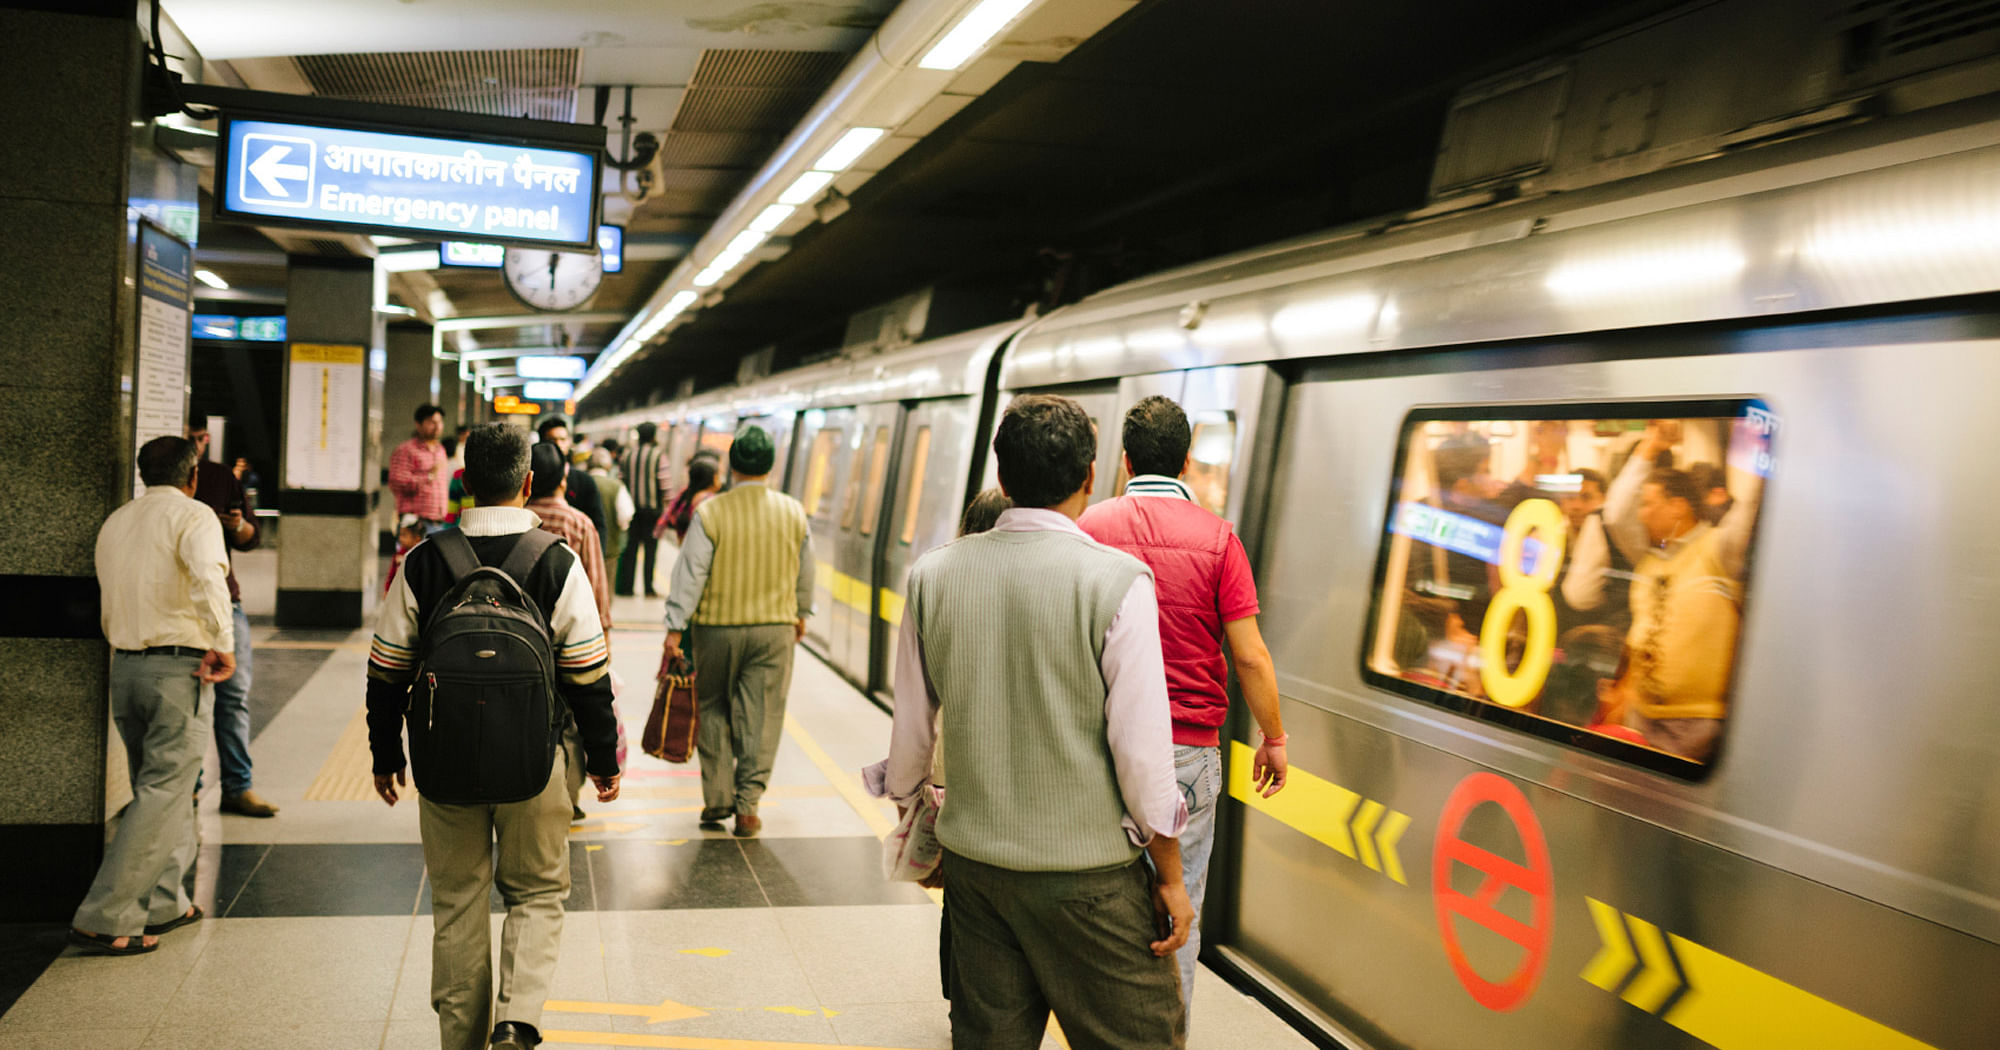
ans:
(780, 429)
(678, 446)
(861, 513)
(1101, 403)
(928, 494)
(824, 435)
(1224, 407)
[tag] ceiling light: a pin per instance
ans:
(381, 241)
(772, 217)
(805, 187)
(744, 243)
(209, 278)
(405, 262)
(971, 33)
(849, 149)
(680, 301)
(709, 276)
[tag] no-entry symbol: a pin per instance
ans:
(1536, 878)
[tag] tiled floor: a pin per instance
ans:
(319, 928)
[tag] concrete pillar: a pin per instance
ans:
(328, 575)
(75, 169)
(407, 383)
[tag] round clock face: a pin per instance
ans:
(547, 280)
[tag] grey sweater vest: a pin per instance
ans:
(1012, 627)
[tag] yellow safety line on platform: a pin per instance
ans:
(687, 1042)
(348, 774)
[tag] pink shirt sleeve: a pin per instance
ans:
(913, 736)
(1137, 723)
(1236, 589)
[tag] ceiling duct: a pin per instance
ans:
(540, 84)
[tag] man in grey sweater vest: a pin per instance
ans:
(1034, 651)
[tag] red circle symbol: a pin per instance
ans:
(1536, 878)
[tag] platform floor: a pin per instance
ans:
(319, 928)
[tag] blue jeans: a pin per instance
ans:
(232, 713)
(1199, 771)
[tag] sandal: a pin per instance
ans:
(105, 944)
(193, 914)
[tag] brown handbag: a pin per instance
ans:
(670, 726)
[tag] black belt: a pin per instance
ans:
(164, 650)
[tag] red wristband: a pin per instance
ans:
(1278, 740)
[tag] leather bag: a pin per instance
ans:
(670, 727)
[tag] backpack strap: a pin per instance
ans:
(459, 557)
(527, 553)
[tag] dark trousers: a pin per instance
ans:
(1024, 943)
(639, 541)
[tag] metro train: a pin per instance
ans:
(1465, 857)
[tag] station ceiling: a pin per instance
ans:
(1183, 129)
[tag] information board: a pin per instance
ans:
(166, 308)
(296, 173)
(324, 416)
(550, 366)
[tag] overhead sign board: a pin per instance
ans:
(549, 366)
(214, 326)
(512, 405)
(330, 175)
(229, 326)
(547, 389)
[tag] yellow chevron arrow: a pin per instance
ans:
(1363, 826)
(1615, 960)
(667, 1010)
(1649, 991)
(1385, 843)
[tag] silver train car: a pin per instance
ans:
(1472, 851)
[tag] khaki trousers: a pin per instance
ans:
(741, 677)
(157, 703)
(1024, 943)
(531, 869)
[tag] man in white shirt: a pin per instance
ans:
(163, 573)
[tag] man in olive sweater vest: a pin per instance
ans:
(1038, 651)
(744, 582)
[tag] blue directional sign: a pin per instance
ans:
(550, 366)
(611, 247)
(304, 174)
(547, 390)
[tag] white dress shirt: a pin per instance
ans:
(1138, 729)
(164, 574)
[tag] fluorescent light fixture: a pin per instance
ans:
(709, 276)
(744, 243)
(972, 33)
(381, 241)
(772, 217)
(209, 278)
(550, 366)
(849, 149)
(680, 301)
(1645, 272)
(805, 187)
(405, 262)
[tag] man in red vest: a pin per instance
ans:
(1207, 598)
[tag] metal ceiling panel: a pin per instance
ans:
(531, 83)
(720, 67)
(717, 149)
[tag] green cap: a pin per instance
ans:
(752, 453)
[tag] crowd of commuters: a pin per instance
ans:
(1070, 667)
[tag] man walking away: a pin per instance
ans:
(164, 576)
(420, 469)
(580, 489)
(617, 502)
(1207, 599)
(1040, 647)
(531, 863)
(642, 480)
(744, 581)
(218, 487)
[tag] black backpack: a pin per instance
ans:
(484, 717)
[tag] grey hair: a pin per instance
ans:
(167, 461)
(496, 461)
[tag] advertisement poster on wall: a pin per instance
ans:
(166, 301)
(325, 415)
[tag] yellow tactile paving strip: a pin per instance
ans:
(348, 774)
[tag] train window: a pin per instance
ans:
(1574, 571)
(913, 497)
(1211, 453)
(878, 462)
(818, 468)
(853, 498)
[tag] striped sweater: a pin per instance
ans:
(760, 558)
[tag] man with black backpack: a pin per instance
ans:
(488, 644)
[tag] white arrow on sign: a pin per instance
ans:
(270, 167)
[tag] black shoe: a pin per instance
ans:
(575, 813)
(514, 1035)
(711, 819)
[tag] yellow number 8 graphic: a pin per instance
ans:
(1525, 593)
